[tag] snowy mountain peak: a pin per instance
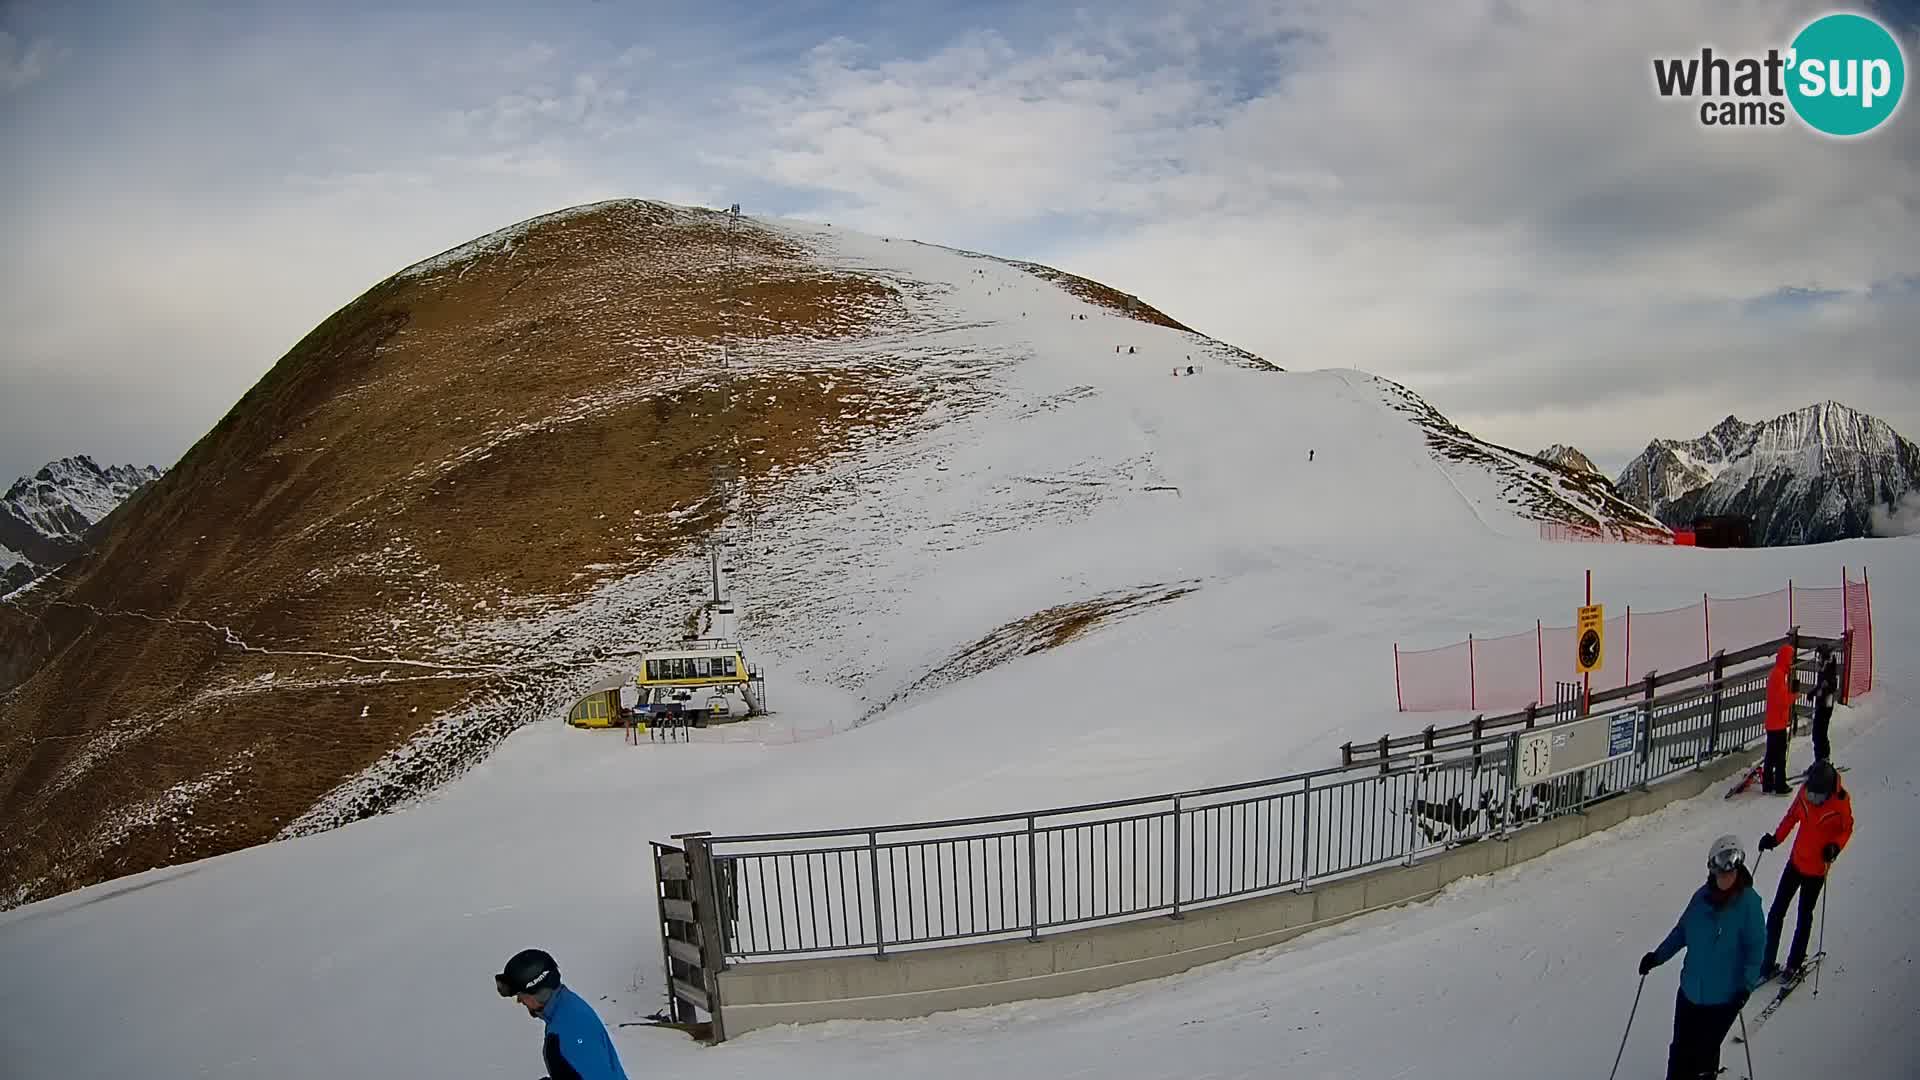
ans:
(1817, 473)
(44, 517)
(1568, 457)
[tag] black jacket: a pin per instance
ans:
(1826, 684)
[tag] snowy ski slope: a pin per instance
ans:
(365, 951)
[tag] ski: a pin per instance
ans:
(1754, 774)
(1745, 782)
(1786, 989)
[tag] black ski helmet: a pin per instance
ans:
(529, 972)
(1822, 778)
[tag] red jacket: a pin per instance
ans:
(1780, 690)
(1829, 823)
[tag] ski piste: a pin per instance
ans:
(1753, 774)
(1786, 988)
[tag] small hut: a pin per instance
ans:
(602, 707)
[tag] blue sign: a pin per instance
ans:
(1620, 734)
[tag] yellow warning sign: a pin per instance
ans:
(1590, 636)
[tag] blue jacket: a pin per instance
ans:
(577, 1046)
(1724, 946)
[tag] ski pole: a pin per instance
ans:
(1746, 1044)
(1624, 1034)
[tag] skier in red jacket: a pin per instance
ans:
(1780, 695)
(1823, 812)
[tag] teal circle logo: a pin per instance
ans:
(1847, 74)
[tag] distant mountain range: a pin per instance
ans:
(1824, 472)
(45, 518)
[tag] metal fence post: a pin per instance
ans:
(1033, 884)
(1646, 743)
(1719, 692)
(879, 928)
(706, 910)
(1413, 820)
(1846, 663)
(1176, 858)
(1306, 828)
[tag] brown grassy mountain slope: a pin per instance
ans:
(285, 605)
(475, 443)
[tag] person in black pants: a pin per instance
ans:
(1780, 694)
(1826, 686)
(1823, 814)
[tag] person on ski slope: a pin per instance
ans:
(1823, 811)
(1780, 695)
(1723, 933)
(577, 1046)
(1826, 685)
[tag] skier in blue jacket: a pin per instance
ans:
(1725, 936)
(577, 1046)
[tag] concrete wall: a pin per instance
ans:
(922, 981)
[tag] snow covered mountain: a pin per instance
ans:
(487, 483)
(980, 512)
(1817, 474)
(44, 518)
(1568, 457)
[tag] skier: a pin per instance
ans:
(1824, 813)
(577, 1046)
(1780, 695)
(1826, 684)
(1309, 457)
(1723, 933)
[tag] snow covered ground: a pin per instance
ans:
(366, 951)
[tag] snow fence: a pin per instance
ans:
(1512, 672)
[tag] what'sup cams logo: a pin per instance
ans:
(1843, 75)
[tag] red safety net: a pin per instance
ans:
(1820, 612)
(1506, 670)
(1509, 673)
(1564, 532)
(1435, 680)
(1859, 615)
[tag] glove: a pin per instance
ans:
(1648, 963)
(1768, 843)
(1830, 852)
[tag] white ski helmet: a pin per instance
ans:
(1726, 854)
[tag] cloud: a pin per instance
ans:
(21, 64)
(1487, 201)
(1483, 199)
(1900, 520)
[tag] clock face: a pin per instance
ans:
(1589, 648)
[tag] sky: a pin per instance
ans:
(1486, 201)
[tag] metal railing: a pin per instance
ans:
(872, 890)
(1713, 668)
